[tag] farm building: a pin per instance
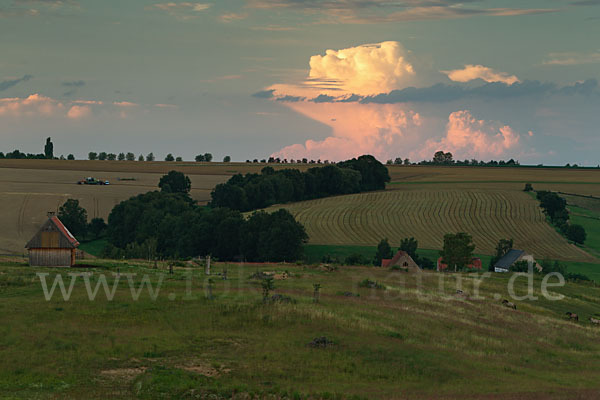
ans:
(53, 245)
(400, 259)
(475, 264)
(512, 257)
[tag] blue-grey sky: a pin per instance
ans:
(486, 79)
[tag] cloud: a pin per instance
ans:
(79, 112)
(572, 58)
(356, 129)
(35, 8)
(184, 10)
(125, 104)
(467, 137)
(365, 69)
(73, 84)
(231, 17)
(33, 105)
(471, 72)
(586, 3)
(381, 11)
(12, 82)
(264, 94)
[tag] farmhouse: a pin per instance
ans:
(512, 257)
(400, 259)
(53, 245)
(475, 264)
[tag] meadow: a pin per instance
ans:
(413, 338)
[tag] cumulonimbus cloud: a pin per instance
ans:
(32, 105)
(343, 92)
(365, 70)
(471, 72)
(467, 137)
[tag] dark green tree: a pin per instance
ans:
(70, 157)
(458, 250)
(97, 227)
(111, 157)
(502, 248)
(74, 217)
(208, 157)
(384, 250)
(150, 157)
(49, 149)
(130, 156)
(410, 245)
(200, 158)
(169, 157)
(577, 234)
(175, 182)
(227, 159)
(92, 155)
(528, 187)
(121, 156)
(102, 156)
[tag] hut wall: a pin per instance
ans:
(51, 257)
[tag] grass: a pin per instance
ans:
(401, 342)
(590, 220)
(94, 247)
(428, 213)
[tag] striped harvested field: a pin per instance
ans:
(427, 213)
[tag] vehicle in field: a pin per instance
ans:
(93, 181)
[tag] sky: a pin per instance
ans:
(317, 79)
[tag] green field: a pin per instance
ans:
(412, 340)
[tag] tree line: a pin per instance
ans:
(169, 224)
(555, 207)
(256, 191)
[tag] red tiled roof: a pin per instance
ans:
(63, 229)
(475, 264)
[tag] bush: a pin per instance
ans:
(367, 283)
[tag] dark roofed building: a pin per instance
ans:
(53, 245)
(513, 256)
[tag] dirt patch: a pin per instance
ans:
(124, 374)
(204, 369)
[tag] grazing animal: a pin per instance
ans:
(509, 304)
(595, 321)
(573, 316)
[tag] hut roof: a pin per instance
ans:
(509, 259)
(53, 224)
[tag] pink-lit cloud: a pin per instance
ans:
(381, 130)
(32, 105)
(471, 72)
(467, 137)
(79, 112)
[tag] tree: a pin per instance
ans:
(383, 251)
(141, 158)
(208, 157)
(406, 161)
(97, 227)
(111, 157)
(175, 182)
(502, 248)
(199, 158)
(150, 157)
(130, 156)
(374, 174)
(528, 187)
(458, 250)
(169, 157)
(49, 149)
(92, 155)
(553, 205)
(74, 217)
(70, 157)
(443, 158)
(121, 156)
(102, 156)
(577, 234)
(410, 245)
(227, 159)
(178, 159)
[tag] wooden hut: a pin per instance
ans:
(53, 245)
